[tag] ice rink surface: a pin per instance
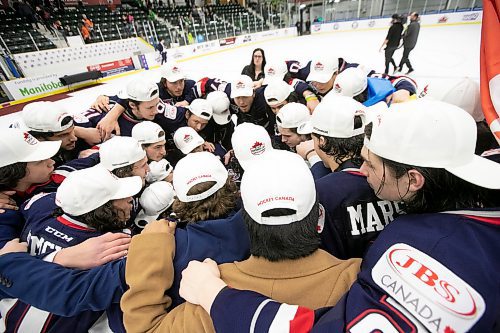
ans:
(442, 52)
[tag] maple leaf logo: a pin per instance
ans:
(187, 138)
(257, 148)
(319, 66)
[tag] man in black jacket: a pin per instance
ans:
(409, 41)
(391, 41)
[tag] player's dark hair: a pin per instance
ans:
(11, 174)
(134, 102)
(252, 64)
(283, 242)
(442, 191)
(125, 171)
(216, 206)
(344, 148)
(306, 136)
(104, 218)
(362, 97)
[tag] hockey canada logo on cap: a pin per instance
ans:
(271, 71)
(257, 148)
(30, 139)
(240, 85)
(175, 70)
(319, 66)
(337, 88)
(188, 138)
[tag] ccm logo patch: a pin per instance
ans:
(438, 298)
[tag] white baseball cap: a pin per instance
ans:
(87, 189)
(277, 92)
(158, 170)
(322, 69)
(201, 108)
(154, 200)
(292, 115)
(186, 139)
(46, 117)
(198, 168)
(19, 146)
(250, 142)
(433, 134)
(462, 92)
(350, 82)
(141, 90)
(148, 132)
(275, 71)
(172, 72)
(120, 151)
(242, 86)
(220, 107)
(334, 118)
(280, 179)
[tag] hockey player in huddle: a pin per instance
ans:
(353, 215)
(26, 168)
(321, 73)
(417, 275)
(88, 203)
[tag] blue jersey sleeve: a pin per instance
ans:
(61, 290)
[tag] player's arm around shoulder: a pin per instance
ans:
(148, 273)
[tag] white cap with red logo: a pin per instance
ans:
(250, 142)
(280, 179)
(154, 200)
(186, 139)
(198, 168)
(275, 71)
(18, 146)
(322, 69)
(172, 72)
(351, 82)
(242, 86)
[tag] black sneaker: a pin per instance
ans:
(409, 71)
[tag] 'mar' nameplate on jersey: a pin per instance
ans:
(433, 294)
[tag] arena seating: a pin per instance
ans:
(15, 32)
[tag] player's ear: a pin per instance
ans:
(416, 180)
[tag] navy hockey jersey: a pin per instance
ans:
(353, 215)
(424, 273)
(45, 234)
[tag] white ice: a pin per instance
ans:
(442, 52)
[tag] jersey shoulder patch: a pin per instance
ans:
(434, 295)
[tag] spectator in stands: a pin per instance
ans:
(85, 34)
(46, 19)
(256, 68)
(23, 9)
(88, 24)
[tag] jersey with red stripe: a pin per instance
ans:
(425, 273)
(353, 215)
(45, 234)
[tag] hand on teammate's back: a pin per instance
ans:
(201, 283)
(6, 202)
(14, 246)
(95, 251)
(160, 226)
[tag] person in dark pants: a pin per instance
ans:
(391, 41)
(409, 41)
